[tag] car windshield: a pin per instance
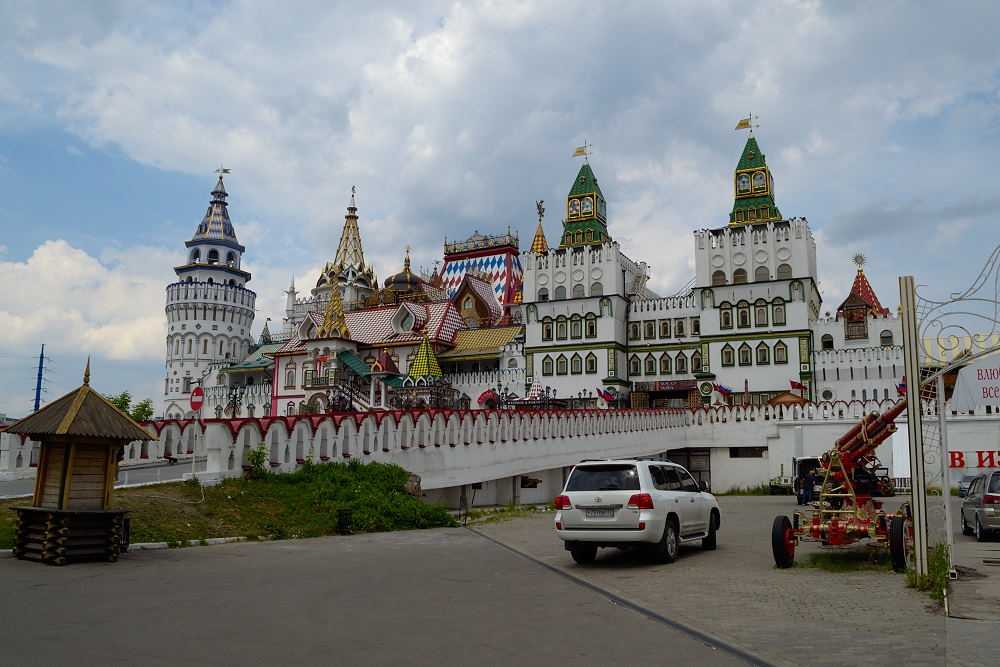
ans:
(995, 484)
(612, 477)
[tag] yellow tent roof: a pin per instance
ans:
(481, 342)
(425, 364)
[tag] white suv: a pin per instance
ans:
(631, 503)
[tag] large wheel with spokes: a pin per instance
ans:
(783, 542)
(901, 543)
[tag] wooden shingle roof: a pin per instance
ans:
(82, 412)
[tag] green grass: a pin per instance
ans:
(849, 560)
(935, 581)
(299, 504)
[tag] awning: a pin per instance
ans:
(355, 363)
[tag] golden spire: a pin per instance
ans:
(539, 245)
(334, 324)
(86, 372)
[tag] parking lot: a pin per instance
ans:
(798, 616)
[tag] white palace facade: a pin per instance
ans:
(569, 325)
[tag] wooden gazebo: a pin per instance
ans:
(82, 436)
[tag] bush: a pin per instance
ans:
(935, 581)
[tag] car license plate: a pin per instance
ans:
(600, 513)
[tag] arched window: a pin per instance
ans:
(739, 276)
(562, 365)
(606, 308)
(778, 311)
(512, 363)
(213, 256)
(696, 362)
(725, 315)
(743, 314)
(780, 353)
(210, 281)
(547, 365)
(561, 328)
(204, 346)
(885, 338)
(728, 355)
(190, 341)
(195, 256)
(576, 364)
(290, 408)
(591, 362)
(546, 329)
(231, 259)
(718, 278)
(760, 313)
(650, 364)
(681, 363)
(746, 355)
(784, 271)
(596, 289)
(576, 327)
(290, 377)
(763, 354)
(827, 342)
(220, 348)
(543, 294)
(590, 327)
(578, 291)
(559, 294)
(634, 366)
(666, 365)
(796, 289)
(761, 274)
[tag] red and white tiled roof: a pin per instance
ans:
(862, 289)
(484, 290)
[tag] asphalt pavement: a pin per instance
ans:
(434, 597)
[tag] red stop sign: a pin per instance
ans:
(197, 399)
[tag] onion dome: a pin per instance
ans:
(405, 280)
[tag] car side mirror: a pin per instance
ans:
(703, 485)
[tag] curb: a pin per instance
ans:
(209, 541)
(701, 635)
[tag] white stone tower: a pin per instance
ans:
(209, 309)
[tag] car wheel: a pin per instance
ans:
(965, 526)
(583, 553)
(710, 541)
(669, 546)
(980, 533)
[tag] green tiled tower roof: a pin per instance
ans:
(753, 187)
(586, 212)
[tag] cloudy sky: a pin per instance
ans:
(880, 121)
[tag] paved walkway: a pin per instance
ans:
(800, 616)
(436, 597)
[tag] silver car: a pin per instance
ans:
(981, 506)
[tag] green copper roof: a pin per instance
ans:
(755, 206)
(751, 157)
(585, 182)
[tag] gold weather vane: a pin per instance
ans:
(748, 123)
(584, 151)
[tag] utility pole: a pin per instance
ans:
(38, 379)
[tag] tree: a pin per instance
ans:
(141, 411)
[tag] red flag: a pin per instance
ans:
(797, 385)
